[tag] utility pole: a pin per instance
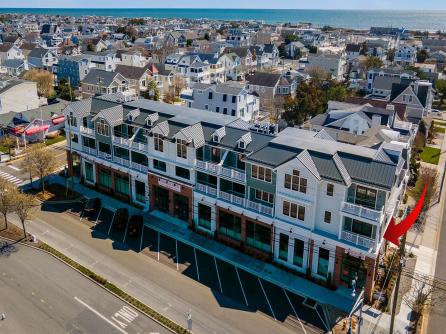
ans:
(397, 284)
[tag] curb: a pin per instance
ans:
(95, 282)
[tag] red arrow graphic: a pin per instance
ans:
(395, 231)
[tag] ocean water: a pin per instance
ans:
(357, 19)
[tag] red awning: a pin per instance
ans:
(58, 120)
(36, 129)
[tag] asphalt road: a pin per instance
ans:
(151, 281)
(14, 173)
(437, 317)
(39, 294)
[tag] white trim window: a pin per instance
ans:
(261, 173)
(264, 196)
(181, 148)
(293, 210)
(102, 127)
(296, 182)
(158, 143)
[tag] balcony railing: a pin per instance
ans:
(237, 200)
(121, 161)
(121, 141)
(89, 150)
(139, 167)
(363, 212)
(229, 172)
(140, 146)
(220, 170)
(208, 166)
(103, 155)
(264, 209)
(86, 130)
(358, 240)
(206, 189)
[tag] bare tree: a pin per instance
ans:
(24, 207)
(7, 199)
(318, 73)
(39, 161)
(425, 294)
(44, 80)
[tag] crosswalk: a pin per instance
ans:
(10, 178)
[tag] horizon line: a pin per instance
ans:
(229, 8)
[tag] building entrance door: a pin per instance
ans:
(161, 198)
(181, 207)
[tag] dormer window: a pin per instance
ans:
(216, 138)
(130, 118)
(241, 144)
(149, 122)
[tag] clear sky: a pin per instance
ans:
(297, 4)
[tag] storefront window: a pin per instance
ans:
(258, 236)
(161, 198)
(230, 225)
(140, 191)
(353, 269)
(105, 179)
(204, 216)
(283, 247)
(322, 263)
(122, 185)
(298, 258)
(89, 172)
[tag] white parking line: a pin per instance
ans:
(126, 228)
(196, 265)
(142, 236)
(267, 300)
(100, 315)
(294, 310)
(218, 275)
(97, 218)
(111, 224)
(158, 245)
(176, 253)
(241, 286)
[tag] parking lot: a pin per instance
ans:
(232, 287)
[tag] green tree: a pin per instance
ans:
(9, 142)
(206, 36)
(391, 55)
(422, 55)
(290, 38)
(364, 49)
(7, 199)
(189, 42)
(308, 102)
(90, 47)
(440, 86)
(65, 91)
(337, 92)
(371, 62)
(152, 93)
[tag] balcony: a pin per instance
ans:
(139, 167)
(263, 209)
(207, 166)
(121, 141)
(234, 199)
(220, 170)
(232, 173)
(105, 156)
(86, 130)
(358, 240)
(363, 212)
(206, 189)
(143, 147)
(122, 161)
(89, 150)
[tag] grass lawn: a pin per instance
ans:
(430, 155)
(55, 140)
(439, 129)
(3, 149)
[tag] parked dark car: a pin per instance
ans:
(121, 218)
(135, 226)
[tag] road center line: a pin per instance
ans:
(100, 315)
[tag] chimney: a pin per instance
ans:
(376, 121)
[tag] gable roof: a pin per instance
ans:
(131, 72)
(264, 79)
